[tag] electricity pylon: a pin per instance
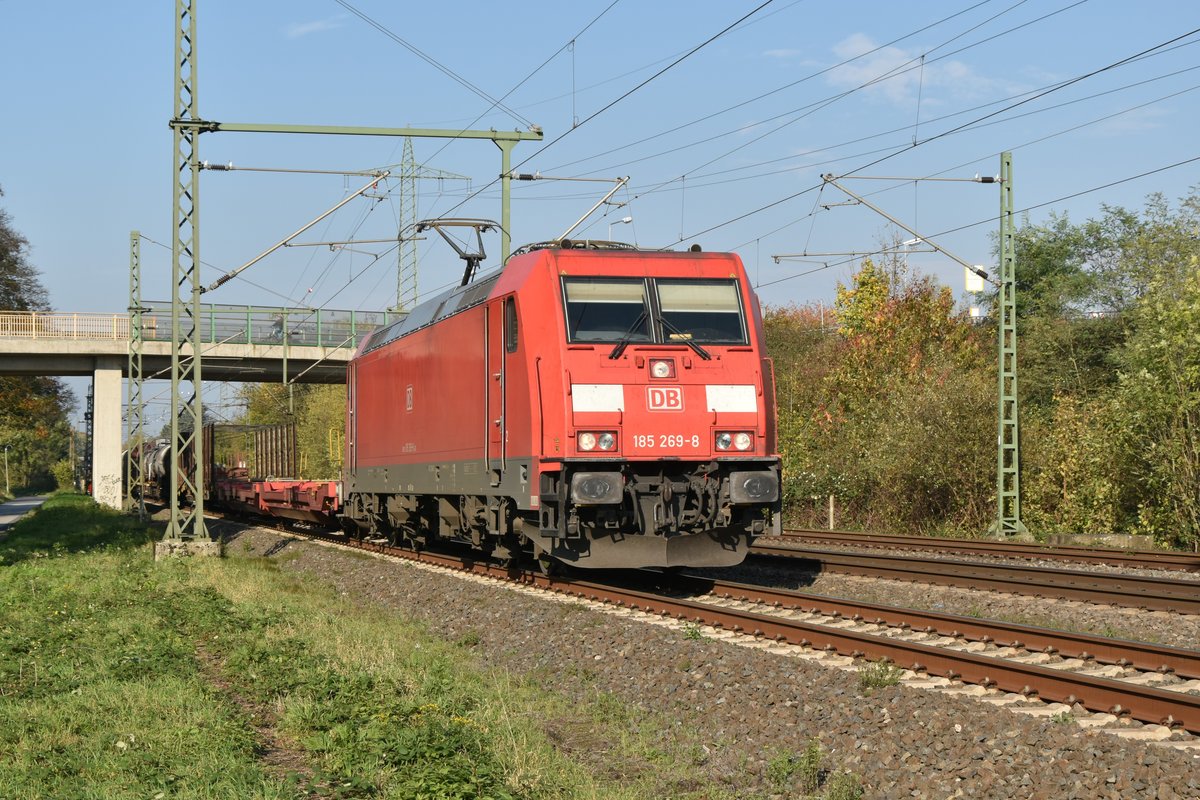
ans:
(406, 261)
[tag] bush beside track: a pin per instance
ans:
(205, 678)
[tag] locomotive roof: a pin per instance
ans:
(437, 308)
(461, 298)
(597, 244)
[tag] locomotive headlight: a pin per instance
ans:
(734, 440)
(597, 440)
(662, 368)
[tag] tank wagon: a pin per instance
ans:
(600, 405)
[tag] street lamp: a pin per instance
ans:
(908, 244)
(621, 221)
(7, 489)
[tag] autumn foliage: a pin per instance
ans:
(886, 404)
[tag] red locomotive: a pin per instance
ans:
(602, 405)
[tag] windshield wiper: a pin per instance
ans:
(686, 338)
(623, 342)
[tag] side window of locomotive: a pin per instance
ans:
(701, 311)
(606, 310)
(510, 326)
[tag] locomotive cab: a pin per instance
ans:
(667, 453)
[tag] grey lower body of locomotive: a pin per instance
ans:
(592, 514)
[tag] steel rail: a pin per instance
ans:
(1094, 693)
(1158, 594)
(1185, 562)
(1144, 656)
(1144, 703)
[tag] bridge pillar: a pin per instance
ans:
(106, 432)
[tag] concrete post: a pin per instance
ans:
(106, 436)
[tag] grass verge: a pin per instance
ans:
(207, 678)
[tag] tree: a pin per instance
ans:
(1129, 254)
(319, 416)
(33, 410)
(1158, 397)
(802, 343)
(891, 412)
(1110, 443)
(20, 287)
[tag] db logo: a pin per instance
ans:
(664, 398)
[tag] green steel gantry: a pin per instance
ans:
(134, 405)
(187, 419)
(1008, 453)
(187, 415)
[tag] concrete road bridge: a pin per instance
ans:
(239, 343)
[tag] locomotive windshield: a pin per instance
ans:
(668, 311)
(605, 310)
(700, 311)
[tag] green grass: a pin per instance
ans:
(878, 675)
(805, 775)
(229, 678)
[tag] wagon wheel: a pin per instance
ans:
(545, 564)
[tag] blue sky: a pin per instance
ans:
(724, 148)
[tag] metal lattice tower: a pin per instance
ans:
(89, 429)
(1008, 458)
(134, 406)
(406, 272)
(187, 474)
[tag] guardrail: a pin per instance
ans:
(296, 327)
(49, 325)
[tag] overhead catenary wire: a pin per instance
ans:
(432, 61)
(536, 70)
(1014, 148)
(810, 165)
(813, 164)
(660, 188)
(943, 134)
(695, 181)
(776, 90)
(991, 220)
(817, 105)
(647, 66)
(623, 96)
(499, 103)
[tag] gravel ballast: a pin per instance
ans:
(741, 706)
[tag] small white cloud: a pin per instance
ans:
(783, 53)
(896, 74)
(298, 29)
(1134, 122)
(748, 128)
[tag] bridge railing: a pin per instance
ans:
(52, 325)
(218, 324)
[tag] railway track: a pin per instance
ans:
(1153, 684)
(1157, 594)
(1186, 562)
